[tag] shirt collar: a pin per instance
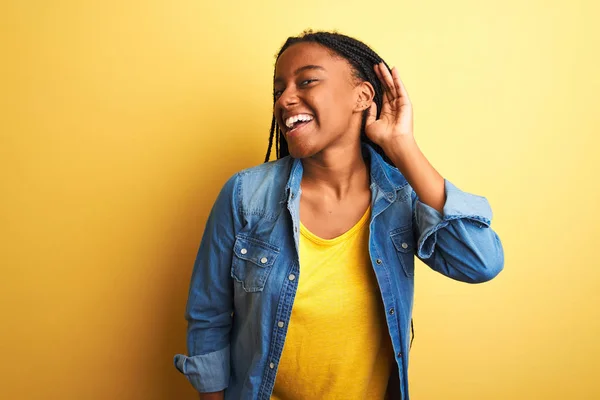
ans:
(385, 177)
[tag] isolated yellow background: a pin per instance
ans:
(120, 121)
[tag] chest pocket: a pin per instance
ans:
(404, 242)
(252, 262)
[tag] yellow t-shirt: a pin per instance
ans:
(337, 345)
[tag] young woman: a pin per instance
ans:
(303, 284)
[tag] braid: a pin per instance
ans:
(270, 141)
(362, 60)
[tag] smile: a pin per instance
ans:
(297, 129)
(296, 121)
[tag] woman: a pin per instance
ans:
(303, 284)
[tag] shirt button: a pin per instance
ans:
(271, 365)
(263, 260)
(404, 246)
(292, 277)
(391, 311)
(378, 261)
(280, 324)
(399, 355)
(243, 251)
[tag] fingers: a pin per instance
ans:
(372, 116)
(392, 84)
(389, 89)
(401, 90)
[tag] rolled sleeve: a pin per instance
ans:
(207, 372)
(459, 242)
(458, 205)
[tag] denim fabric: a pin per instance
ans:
(247, 269)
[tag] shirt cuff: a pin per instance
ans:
(459, 205)
(207, 372)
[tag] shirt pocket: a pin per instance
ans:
(404, 243)
(253, 260)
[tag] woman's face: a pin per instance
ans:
(317, 100)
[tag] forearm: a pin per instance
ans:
(420, 174)
(213, 396)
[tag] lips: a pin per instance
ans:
(298, 128)
(295, 121)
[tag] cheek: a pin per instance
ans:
(339, 108)
(330, 106)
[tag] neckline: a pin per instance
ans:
(344, 236)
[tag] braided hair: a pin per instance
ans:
(362, 59)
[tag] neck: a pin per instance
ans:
(337, 172)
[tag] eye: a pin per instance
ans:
(307, 82)
(278, 92)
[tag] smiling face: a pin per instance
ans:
(318, 100)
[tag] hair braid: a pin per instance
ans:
(271, 140)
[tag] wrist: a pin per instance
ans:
(399, 145)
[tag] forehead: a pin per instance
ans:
(301, 54)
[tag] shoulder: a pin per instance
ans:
(265, 179)
(266, 169)
(260, 187)
(272, 170)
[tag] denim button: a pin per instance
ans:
(280, 324)
(404, 245)
(378, 261)
(292, 277)
(243, 251)
(264, 260)
(391, 311)
(271, 365)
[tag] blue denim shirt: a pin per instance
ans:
(247, 270)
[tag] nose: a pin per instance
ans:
(288, 98)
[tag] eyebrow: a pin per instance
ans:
(304, 68)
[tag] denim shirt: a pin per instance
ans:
(247, 269)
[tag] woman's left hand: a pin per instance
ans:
(396, 119)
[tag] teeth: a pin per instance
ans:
(300, 117)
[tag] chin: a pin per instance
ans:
(300, 151)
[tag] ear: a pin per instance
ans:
(364, 93)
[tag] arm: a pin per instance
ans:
(420, 174)
(459, 242)
(210, 301)
(452, 227)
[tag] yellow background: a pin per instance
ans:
(120, 121)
